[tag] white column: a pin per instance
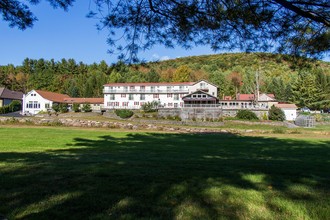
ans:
(23, 105)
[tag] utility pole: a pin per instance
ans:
(256, 95)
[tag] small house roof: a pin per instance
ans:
(84, 100)
(9, 94)
(251, 97)
(286, 106)
(52, 96)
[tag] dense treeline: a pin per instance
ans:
(301, 81)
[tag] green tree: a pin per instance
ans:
(278, 88)
(276, 114)
(86, 108)
(76, 107)
(56, 107)
(306, 92)
(219, 79)
(152, 76)
(63, 107)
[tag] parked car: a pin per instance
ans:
(305, 109)
(325, 110)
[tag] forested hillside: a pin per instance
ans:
(301, 81)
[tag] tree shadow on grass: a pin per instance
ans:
(169, 176)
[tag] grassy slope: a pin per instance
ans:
(62, 173)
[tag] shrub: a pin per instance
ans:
(177, 118)
(56, 107)
(12, 107)
(76, 107)
(86, 108)
(124, 113)
(246, 115)
(169, 117)
(221, 119)
(4, 109)
(318, 117)
(276, 114)
(295, 131)
(63, 107)
(230, 118)
(264, 117)
(279, 130)
(150, 106)
(15, 106)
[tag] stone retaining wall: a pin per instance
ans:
(54, 121)
(204, 113)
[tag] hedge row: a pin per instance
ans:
(12, 107)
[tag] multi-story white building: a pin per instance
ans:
(169, 95)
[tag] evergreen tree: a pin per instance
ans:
(306, 92)
(152, 76)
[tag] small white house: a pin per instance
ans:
(38, 100)
(290, 111)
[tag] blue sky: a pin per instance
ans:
(58, 34)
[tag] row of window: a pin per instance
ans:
(112, 104)
(235, 103)
(36, 104)
(143, 96)
(152, 88)
(124, 103)
(199, 96)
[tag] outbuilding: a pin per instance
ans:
(290, 110)
(7, 96)
(38, 100)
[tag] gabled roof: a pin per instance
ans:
(84, 100)
(189, 96)
(271, 95)
(9, 94)
(245, 97)
(151, 84)
(52, 96)
(251, 97)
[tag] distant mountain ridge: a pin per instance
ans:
(285, 76)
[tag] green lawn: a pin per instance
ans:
(66, 173)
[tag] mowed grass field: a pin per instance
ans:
(67, 173)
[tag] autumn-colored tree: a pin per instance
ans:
(167, 75)
(22, 80)
(182, 74)
(236, 80)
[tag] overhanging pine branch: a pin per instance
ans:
(303, 13)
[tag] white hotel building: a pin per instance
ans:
(169, 95)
